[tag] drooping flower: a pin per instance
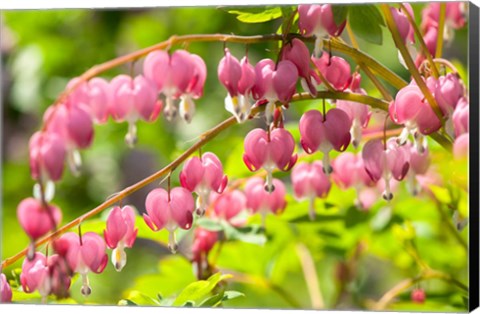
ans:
(203, 175)
(269, 150)
(335, 70)
(94, 95)
(297, 52)
(85, 254)
(411, 109)
(261, 201)
(385, 162)
(120, 233)
(359, 114)
(317, 20)
(325, 133)
(74, 125)
(35, 276)
(36, 219)
(6, 290)
(274, 83)
(133, 99)
(169, 210)
(47, 161)
(309, 181)
(238, 78)
(228, 206)
(178, 76)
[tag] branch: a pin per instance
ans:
(409, 62)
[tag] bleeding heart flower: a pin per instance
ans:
(228, 206)
(318, 21)
(297, 52)
(334, 69)
(120, 233)
(385, 162)
(181, 75)
(85, 254)
(37, 220)
(411, 109)
(274, 83)
(169, 211)
(203, 175)
(238, 78)
(133, 99)
(325, 133)
(95, 95)
(35, 276)
(448, 91)
(47, 156)
(269, 150)
(309, 181)
(359, 114)
(75, 127)
(263, 202)
(5, 290)
(460, 117)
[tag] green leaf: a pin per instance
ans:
(213, 301)
(138, 298)
(125, 302)
(366, 22)
(339, 13)
(256, 14)
(198, 290)
(231, 294)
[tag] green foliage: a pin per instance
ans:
(255, 14)
(340, 12)
(366, 21)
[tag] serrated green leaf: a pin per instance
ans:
(339, 13)
(257, 14)
(366, 22)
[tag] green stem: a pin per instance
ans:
(409, 62)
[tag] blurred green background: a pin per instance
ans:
(42, 50)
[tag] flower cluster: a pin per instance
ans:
(269, 86)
